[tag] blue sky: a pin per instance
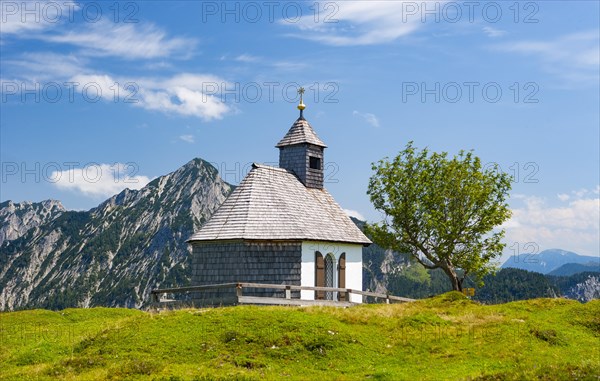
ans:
(99, 96)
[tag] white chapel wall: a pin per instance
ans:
(353, 265)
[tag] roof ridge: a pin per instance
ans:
(264, 166)
(301, 132)
(272, 203)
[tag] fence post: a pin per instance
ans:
(238, 291)
(288, 292)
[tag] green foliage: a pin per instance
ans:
(506, 285)
(565, 283)
(444, 337)
(441, 210)
(511, 284)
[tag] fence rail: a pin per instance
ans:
(343, 295)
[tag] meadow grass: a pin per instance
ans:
(444, 338)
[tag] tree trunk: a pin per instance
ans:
(456, 283)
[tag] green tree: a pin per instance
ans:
(441, 210)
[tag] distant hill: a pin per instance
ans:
(388, 271)
(506, 285)
(514, 284)
(575, 268)
(548, 260)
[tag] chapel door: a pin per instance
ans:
(342, 276)
(329, 274)
(319, 275)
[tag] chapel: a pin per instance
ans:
(281, 226)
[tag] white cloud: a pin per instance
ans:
(355, 214)
(279, 65)
(127, 41)
(579, 193)
(101, 84)
(579, 49)
(289, 66)
(493, 32)
(359, 22)
(510, 224)
(187, 138)
(574, 57)
(371, 119)
(23, 17)
(574, 224)
(36, 67)
(45, 20)
(187, 94)
(247, 58)
(95, 180)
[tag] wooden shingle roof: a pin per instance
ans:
(272, 204)
(300, 132)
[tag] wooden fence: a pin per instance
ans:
(341, 296)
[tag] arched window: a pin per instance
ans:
(329, 275)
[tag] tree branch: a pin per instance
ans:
(430, 267)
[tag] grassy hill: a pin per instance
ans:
(446, 337)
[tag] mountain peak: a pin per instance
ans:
(16, 218)
(547, 260)
(114, 254)
(47, 204)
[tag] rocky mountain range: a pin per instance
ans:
(111, 255)
(17, 219)
(116, 253)
(548, 261)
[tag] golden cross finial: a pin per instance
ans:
(301, 105)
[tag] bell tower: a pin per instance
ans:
(301, 151)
